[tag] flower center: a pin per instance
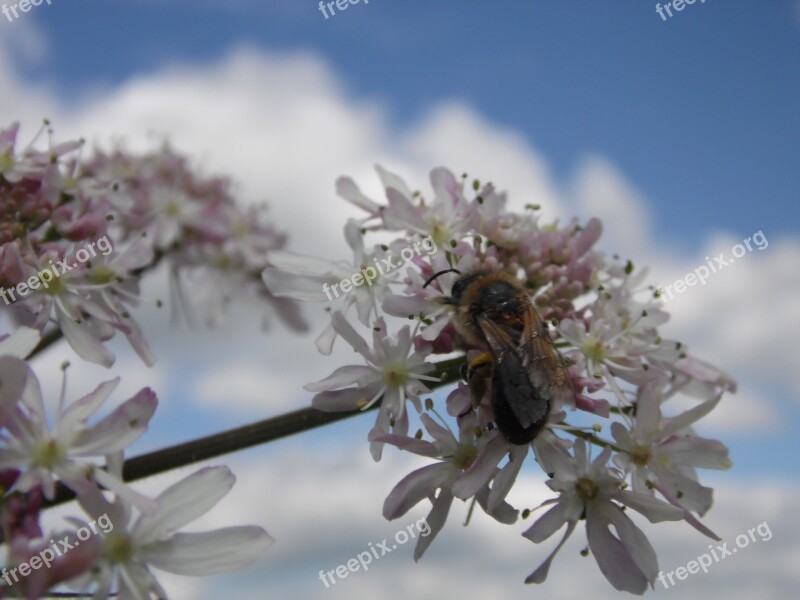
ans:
(593, 349)
(224, 261)
(172, 208)
(47, 454)
(101, 275)
(640, 455)
(440, 233)
(464, 456)
(395, 374)
(55, 287)
(240, 228)
(586, 489)
(118, 547)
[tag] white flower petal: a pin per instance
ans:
(184, 501)
(14, 374)
(119, 429)
(20, 343)
(414, 487)
(696, 452)
(651, 507)
(568, 509)
(210, 552)
(435, 519)
(390, 180)
(342, 326)
(80, 410)
(685, 419)
(340, 400)
(503, 481)
(611, 555)
(540, 574)
(81, 339)
(503, 512)
(342, 377)
(299, 264)
(290, 285)
(410, 444)
(346, 188)
(114, 484)
(478, 474)
(692, 495)
(635, 541)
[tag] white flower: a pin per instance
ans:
(448, 217)
(44, 454)
(464, 469)
(394, 372)
(590, 490)
(310, 279)
(662, 453)
(133, 544)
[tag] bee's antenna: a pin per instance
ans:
(435, 275)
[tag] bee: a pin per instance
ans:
(528, 375)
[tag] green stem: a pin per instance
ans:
(590, 437)
(247, 436)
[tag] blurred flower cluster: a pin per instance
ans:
(617, 441)
(76, 236)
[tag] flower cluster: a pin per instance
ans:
(621, 373)
(76, 235)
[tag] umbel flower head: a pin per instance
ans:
(76, 236)
(600, 314)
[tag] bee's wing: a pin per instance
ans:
(512, 373)
(544, 364)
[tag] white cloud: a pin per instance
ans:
(745, 316)
(601, 190)
(244, 386)
(454, 135)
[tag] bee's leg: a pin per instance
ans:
(478, 374)
(481, 364)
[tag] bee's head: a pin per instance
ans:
(444, 299)
(459, 287)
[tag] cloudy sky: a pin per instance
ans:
(682, 135)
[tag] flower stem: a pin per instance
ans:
(246, 436)
(591, 438)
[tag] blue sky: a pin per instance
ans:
(682, 135)
(700, 110)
